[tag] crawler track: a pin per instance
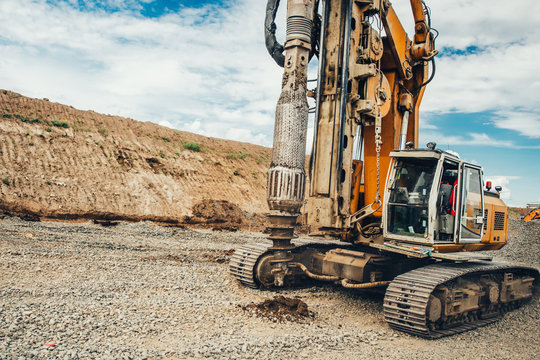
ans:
(407, 297)
(243, 262)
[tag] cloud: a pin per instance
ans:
(505, 181)
(166, 124)
(245, 135)
(208, 65)
(198, 65)
(226, 131)
(470, 139)
(524, 122)
(480, 82)
(481, 23)
(194, 126)
(488, 61)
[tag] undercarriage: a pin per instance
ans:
(424, 296)
(406, 218)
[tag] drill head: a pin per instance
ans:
(287, 176)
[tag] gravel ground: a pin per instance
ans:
(140, 291)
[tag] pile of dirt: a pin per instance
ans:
(224, 215)
(281, 309)
(218, 214)
(58, 162)
(518, 212)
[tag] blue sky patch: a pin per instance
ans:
(461, 124)
(469, 50)
(151, 9)
(161, 7)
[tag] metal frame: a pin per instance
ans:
(435, 194)
(426, 154)
(458, 238)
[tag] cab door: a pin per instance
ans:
(471, 205)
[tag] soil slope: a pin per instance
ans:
(60, 162)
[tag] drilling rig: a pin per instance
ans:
(382, 212)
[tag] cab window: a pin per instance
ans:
(409, 197)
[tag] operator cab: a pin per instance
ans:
(433, 197)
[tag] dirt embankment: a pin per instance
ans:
(64, 163)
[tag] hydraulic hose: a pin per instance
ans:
(314, 276)
(274, 48)
(346, 284)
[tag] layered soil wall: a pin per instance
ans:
(60, 162)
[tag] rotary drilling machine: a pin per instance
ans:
(381, 212)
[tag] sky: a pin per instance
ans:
(202, 66)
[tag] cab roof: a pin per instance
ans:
(429, 154)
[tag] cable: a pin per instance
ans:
(436, 34)
(427, 11)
